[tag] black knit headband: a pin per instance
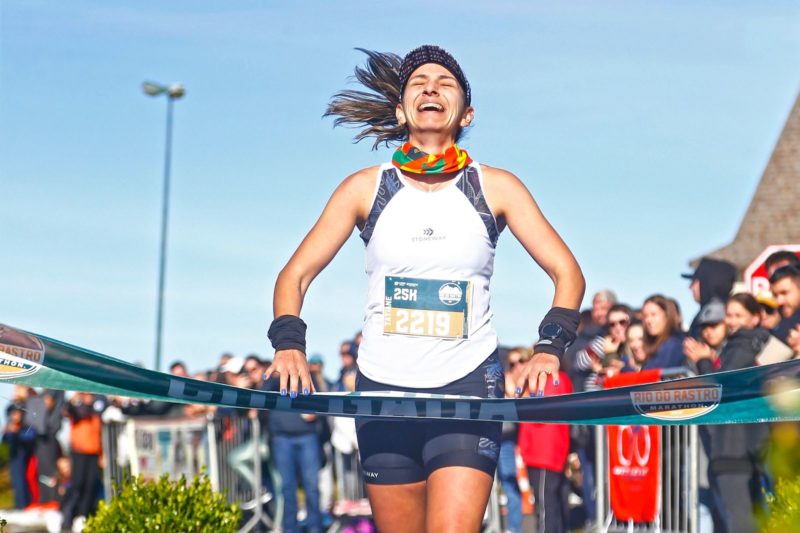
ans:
(429, 53)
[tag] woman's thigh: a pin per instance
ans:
(398, 508)
(456, 499)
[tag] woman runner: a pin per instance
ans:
(430, 220)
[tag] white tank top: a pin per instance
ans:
(429, 259)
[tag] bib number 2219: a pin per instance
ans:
(427, 307)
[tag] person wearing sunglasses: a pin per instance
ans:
(506, 462)
(597, 358)
(770, 316)
(604, 353)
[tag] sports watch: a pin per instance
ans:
(549, 332)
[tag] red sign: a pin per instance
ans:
(755, 276)
(634, 461)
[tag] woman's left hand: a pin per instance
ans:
(535, 372)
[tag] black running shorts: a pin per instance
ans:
(396, 451)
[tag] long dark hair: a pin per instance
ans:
(653, 342)
(372, 110)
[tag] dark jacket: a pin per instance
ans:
(736, 447)
(716, 281)
(738, 351)
(786, 325)
(669, 354)
(286, 423)
(46, 423)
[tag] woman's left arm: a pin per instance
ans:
(511, 201)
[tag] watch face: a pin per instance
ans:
(551, 331)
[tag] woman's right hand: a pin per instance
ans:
(695, 350)
(610, 344)
(292, 367)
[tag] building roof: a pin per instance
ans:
(773, 216)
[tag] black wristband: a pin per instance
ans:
(288, 332)
(567, 321)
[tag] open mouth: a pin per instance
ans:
(431, 106)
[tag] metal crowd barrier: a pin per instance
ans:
(678, 483)
(231, 449)
(240, 452)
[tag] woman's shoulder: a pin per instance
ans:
(367, 174)
(500, 183)
(361, 180)
(496, 173)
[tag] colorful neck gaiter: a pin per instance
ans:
(411, 159)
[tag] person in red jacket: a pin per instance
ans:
(544, 449)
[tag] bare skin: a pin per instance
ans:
(398, 508)
(430, 505)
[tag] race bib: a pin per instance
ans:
(427, 307)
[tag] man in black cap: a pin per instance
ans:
(713, 278)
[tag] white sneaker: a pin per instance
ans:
(78, 524)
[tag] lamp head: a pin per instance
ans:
(173, 91)
(153, 89)
(176, 90)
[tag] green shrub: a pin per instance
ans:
(5, 454)
(784, 507)
(167, 506)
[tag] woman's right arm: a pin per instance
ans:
(347, 208)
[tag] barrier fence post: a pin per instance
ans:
(109, 457)
(257, 502)
(130, 434)
(600, 458)
(213, 463)
(694, 484)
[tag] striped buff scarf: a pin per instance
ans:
(411, 159)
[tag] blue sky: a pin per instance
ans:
(640, 127)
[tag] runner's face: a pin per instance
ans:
(433, 102)
(737, 317)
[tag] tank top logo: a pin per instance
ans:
(428, 234)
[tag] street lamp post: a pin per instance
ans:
(172, 92)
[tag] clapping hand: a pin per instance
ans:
(696, 350)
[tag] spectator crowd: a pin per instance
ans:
(733, 329)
